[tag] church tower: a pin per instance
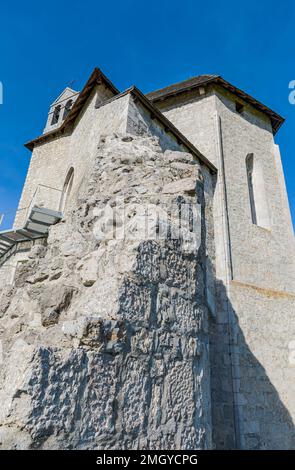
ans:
(255, 261)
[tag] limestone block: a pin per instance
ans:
(88, 269)
(185, 185)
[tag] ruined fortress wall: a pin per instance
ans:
(52, 160)
(145, 346)
(85, 370)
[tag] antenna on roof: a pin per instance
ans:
(71, 83)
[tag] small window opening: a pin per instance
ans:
(249, 166)
(56, 114)
(67, 109)
(239, 107)
(257, 192)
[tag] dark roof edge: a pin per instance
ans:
(276, 120)
(183, 86)
(173, 129)
(162, 94)
(97, 76)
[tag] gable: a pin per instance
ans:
(97, 77)
(67, 94)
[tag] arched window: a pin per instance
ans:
(66, 189)
(249, 167)
(56, 114)
(67, 109)
(257, 194)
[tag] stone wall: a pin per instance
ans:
(264, 335)
(105, 333)
(261, 257)
(104, 336)
(252, 378)
(50, 163)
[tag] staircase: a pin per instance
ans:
(36, 226)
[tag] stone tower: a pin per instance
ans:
(255, 262)
(156, 303)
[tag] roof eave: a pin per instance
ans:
(156, 113)
(276, 120)
(174, 92)
(96, 77)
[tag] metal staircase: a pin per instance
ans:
(38, 222)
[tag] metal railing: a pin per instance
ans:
(44, 196)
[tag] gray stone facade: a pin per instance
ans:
(111, 335)
(119, 338)
(253, 396)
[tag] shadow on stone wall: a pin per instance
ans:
(247, 411)
(122, 362)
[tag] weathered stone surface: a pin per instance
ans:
(105, 334)
(253, 325)
(186, 185)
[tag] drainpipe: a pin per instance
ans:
(228, 277)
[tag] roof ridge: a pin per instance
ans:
(96, 75)
(161, 117)
(198, 81)
(204, 77)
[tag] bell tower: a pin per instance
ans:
(60, 108)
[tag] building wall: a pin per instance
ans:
(263, 257)
(140, 123)
(252, 301)
(264, 334)
(193, 115)
(252, 377)
(262, 291)
(51, 161)
(260, 256)
(130, 369)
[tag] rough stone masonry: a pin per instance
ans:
(106, 339)
(159, 311)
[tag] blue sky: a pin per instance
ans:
(149, 44)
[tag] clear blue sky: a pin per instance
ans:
(150, 44)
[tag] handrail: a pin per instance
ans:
(27, 208)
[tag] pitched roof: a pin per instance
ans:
(67, 91)
(201, 80)
(193, 82)
(96, 77)
(168, 126)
